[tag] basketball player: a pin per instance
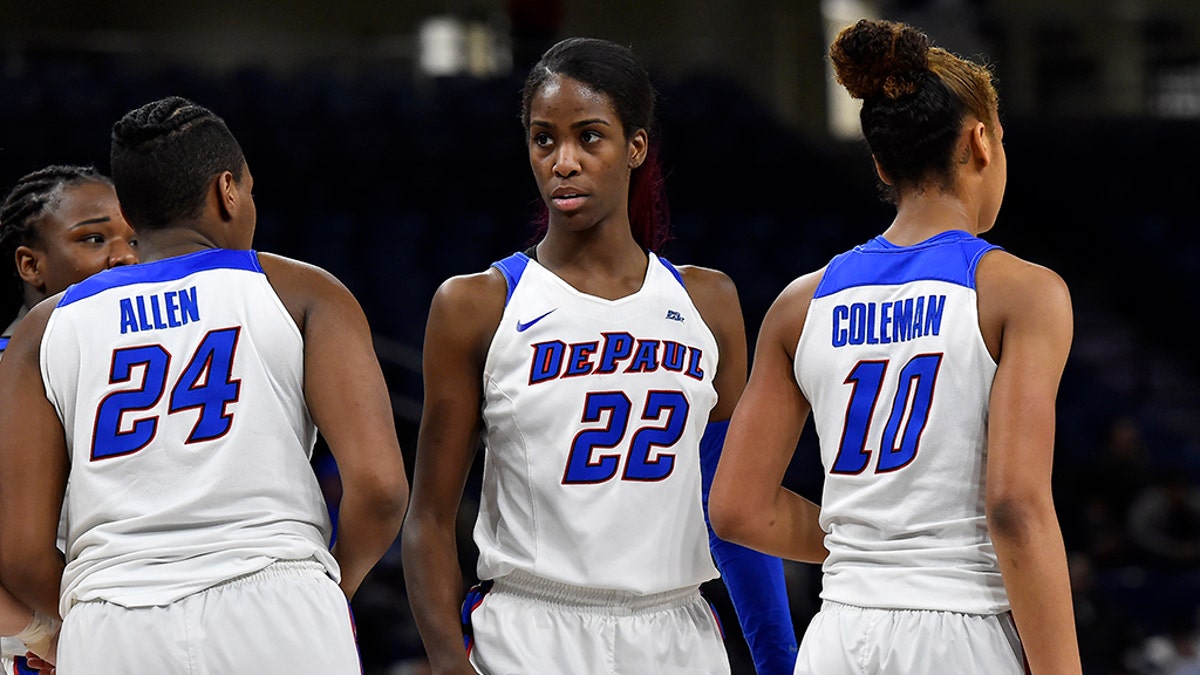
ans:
(58, 226)
(930, 361)
(596, 374)
(180, 398)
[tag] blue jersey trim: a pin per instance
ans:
(512, 268)
(671, 268)
(882, 263)
(167, 269)
(3, 344)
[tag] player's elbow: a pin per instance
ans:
(1017, 521)
(383, 496)
(391, 499)
(729, 518)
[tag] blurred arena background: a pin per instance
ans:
(386, 147)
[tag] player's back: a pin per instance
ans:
(180, 387)
(893, 361)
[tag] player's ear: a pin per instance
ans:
(639, 144)
(879, 170)
(979, 143)
(31, 267)
(227, 194)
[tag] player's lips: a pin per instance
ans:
(568, 198)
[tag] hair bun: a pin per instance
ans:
(880, 57)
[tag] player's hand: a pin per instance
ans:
(38, 663)
(41, 636)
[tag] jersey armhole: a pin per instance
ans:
(512, 268)
(671, 268)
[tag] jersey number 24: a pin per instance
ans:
(205, 384)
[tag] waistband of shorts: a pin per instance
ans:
(591, 600)
(277, 570)
(834, 605)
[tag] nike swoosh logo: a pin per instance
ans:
(524, 326)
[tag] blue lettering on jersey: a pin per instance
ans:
(617, 347)
(547, 361)
(580, 362)
(883, 323)
(646, 358)
(170, 310)
(554, 359)
(673, 355)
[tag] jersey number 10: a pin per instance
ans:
(906, 420)
(205, 383)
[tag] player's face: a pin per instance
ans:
(81, 235)
(580, 155)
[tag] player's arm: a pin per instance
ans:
(349, 402)
(33, 479)
(462, 320)
(748, 503)
(14, 614)
(1027, 310)
(755, 580)
(715, 295)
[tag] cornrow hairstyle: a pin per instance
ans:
(916, 98)
(164, 156)
(33, 196)
(611, 69)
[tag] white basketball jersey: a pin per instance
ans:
(593, 412)
(180, 386)
(896, 369)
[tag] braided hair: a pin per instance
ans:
(164, 155)
(916, 98)
(611, 69)
(33, 196)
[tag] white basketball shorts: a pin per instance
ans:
(287, 618)
(525, 625)
(848, 640)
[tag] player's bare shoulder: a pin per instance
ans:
(302, 286)
(712, 291)
(785, 318)
(27, 338)
(480, 294)
(468, 308)
(707, 281)
(1009, 285)
(296, 275)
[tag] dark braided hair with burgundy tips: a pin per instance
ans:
(33, 195)
(164, 155)
(611, 69)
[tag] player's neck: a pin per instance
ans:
(171, 242)
(593, 262)
(924, 215)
